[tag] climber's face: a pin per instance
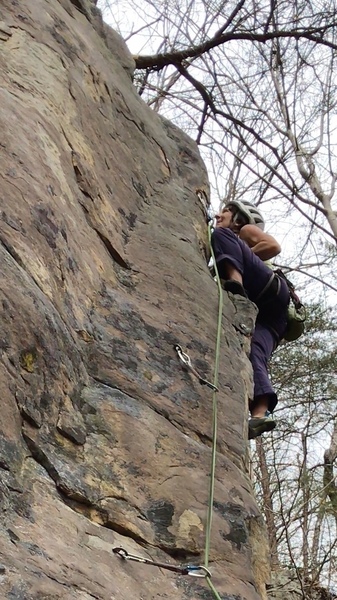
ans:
(224, 218)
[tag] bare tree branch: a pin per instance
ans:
(159, 61)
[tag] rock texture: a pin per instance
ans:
(291, 584)
(105, 440)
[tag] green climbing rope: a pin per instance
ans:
(192, 570)
(214, 421)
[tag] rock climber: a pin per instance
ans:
(240, 248)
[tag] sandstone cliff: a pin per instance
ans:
(104, 438)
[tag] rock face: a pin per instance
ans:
(290, 584)
(105, 440)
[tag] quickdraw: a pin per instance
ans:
(194, 571)
(202, 197)
(186, 362)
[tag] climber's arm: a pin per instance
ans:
(261, 243)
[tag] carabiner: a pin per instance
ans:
(200, 571)
(125, 554)
(185, 359)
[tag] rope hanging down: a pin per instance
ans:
(214, 420)
(193, 570)
(197, 571)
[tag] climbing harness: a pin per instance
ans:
(193, 570)
(186, 361)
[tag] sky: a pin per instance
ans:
(289, 231)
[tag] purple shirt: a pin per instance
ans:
(228, 246)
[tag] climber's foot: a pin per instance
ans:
(259, 425)
(235, 287)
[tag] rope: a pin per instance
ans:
(185, 359)
(199, 571)
(214, 420)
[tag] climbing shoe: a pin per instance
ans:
(235, 287)
(259, 425)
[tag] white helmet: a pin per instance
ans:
(250, 211)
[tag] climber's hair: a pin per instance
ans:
(238, 218)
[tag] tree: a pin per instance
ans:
(294, 471)
(254, 82)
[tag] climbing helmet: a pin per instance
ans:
(249, 211)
